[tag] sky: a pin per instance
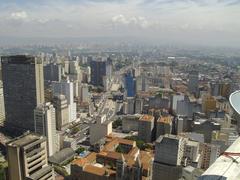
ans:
(213, 22)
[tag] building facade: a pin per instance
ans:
(45, 124)
(27, 158)
(23, 87)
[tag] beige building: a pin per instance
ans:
(191, 153)
(145, 128)
(61, 106)
(27, 158)
(209, 155)
(101, 129)
(120, 159)
(164, 125)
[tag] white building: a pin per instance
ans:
(2, 109)
(66, 88)
(45, 124)
(175, 99)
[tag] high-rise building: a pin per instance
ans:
(138, 105)
(66, 88)
(209, 103)
(130, 84)
(209, 155)
(2, 109)
(45, 124)
(27, 158)
(100, 129)
(193, 83)
(145, 128)
(74, 72)
(168, 157)
(164, 125)
(61, 108)
(23, 87)
(141, 83)
(129, 105)
(83, 92)
(98, 71)
(53, 72)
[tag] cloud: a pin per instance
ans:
(131, 21)
(20, 15)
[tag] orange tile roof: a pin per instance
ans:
(94, 170)
(88, 159)
(165, 119)
(146, 117)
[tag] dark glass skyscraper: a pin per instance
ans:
(23, 87)
(98, 71)
(130, 84)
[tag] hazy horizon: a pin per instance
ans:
(198, 22)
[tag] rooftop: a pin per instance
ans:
(165, 119)
(146, 117)
(25, 139)
(62, 156)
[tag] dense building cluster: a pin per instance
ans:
(115, 116)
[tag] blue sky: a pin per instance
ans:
(203, 21)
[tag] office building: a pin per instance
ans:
(102, 128)
(209, 155)
(174, 100)
(23, 87)
(145, 128)
(98, 71)
(209, 104)
(164, 125)
(61, 107)
(27, 158)
(129, 105)
(83, 92)
(168, 157)
(52, 72)
(74, 72)
(141, 83)
(191, 153)
(130, 84)
(193, 83)
(45, 124)
(138, 105)
(66, 88)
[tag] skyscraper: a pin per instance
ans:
(52, 72)
(45, 124)
(27, 158)
(61, 106)
(66, 88)
(23, 87)
(193, 83)
(98, 71)
(130, 84)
